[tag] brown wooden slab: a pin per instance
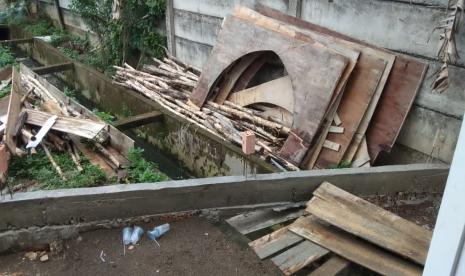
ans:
(362, 156)
(332, 267)
(353, 249)
(14, 107)
(370, 222)
(314, 82)
(277, 92)
(272, 243)
(244, 80)
(400, 90)
(5, 73)
(232, 75)
(298, 257)
(138, 120)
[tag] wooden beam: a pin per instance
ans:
(81, 127)
(14, 108)
(170, 31)
(139, 120)
(353, 249)
(335, 265)
(17, 41)
(123, 201)
(59, 14)
(53, 68)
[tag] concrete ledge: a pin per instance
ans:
(70, 206)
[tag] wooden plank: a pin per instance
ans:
(5, 72)
(49, 69)
(81, 127)
(260, 219)
(394, 105)
(361, 156)
(14, 108)
(353, 249)
(277, 92)
(94, 158)
(370, 222)
(138, 120)
(298, 257)
(274, 242)
(231, 76)
(336, 129)
(244, 80)
(337, 120)
(16, 41)
(331, 145)
(335, 265)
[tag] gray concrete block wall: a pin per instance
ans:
(400, 25)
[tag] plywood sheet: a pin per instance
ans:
(313, 83)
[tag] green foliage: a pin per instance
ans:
(38, 168)
(5, 91)
(135, 31)
(39, 27)
(142, 170)
(342, 165)
(69, 92)
(6, 56)
(105, 116)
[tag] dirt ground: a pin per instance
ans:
(192, 247)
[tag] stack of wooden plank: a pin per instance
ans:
(347, 100)
(340, 228)
(36, 113)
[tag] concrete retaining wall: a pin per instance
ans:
(403, 26)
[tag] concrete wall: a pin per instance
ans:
(403, 26)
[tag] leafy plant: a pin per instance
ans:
(5, 91)
(69, 92)
(105, 116)
(37, 168)
(40, 27)
(342, 165)
(141, 170)
(6, 56)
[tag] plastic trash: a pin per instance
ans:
(127, 232)
(136, 234)
(158, 231)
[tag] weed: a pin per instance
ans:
(141, 170)
(126, 111)
(37, 168)
(342, 165)
(105, 116)
(69, 92)
(40, 27)
(6, 56)
(5, 91)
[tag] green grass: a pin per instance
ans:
(342, 165)
(6, 57)
(141, 170)
(39, 27)
(37, 167)
(5, 91)
(105, 116)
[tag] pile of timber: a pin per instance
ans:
(338, 100)
(37, 114)
(339, 228)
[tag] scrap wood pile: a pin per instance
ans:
(339, 228)
(37, 114)
(338, 100)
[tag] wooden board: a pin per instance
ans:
(138, 120)
(81, 127)
(370, 222)
(48, 69)
(14, 107)
(315, 80)
(231, 76)
(353, 249)
(394, 105)
(275, 242)
(332, 267)
(247, 223)
(362, 156)
(244, 80)
(5, 73)
(400, 90)
(277, 92)
(298, 257)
